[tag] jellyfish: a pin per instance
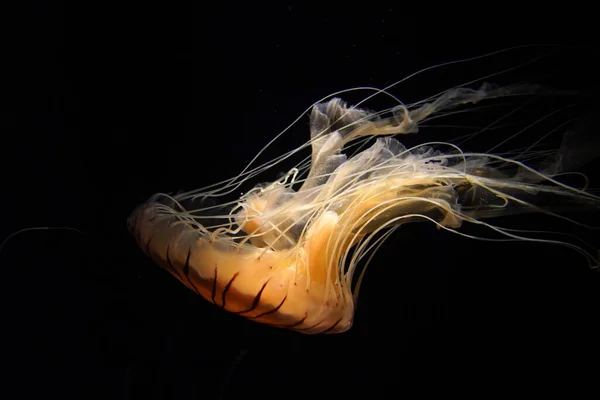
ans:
(292, 252)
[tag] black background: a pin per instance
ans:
(106, 105)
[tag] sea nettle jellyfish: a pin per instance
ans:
(292, 253)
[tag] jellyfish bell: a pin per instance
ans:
(292, 253)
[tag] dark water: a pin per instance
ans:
(113, 104)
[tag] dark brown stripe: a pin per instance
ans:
(256, 299)
(214, 288)
(294, 324)
(332, 326)
(170, 265)
(148, 246)
(314, 326)
(271, 311)
(227, 288)
(186, 271)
